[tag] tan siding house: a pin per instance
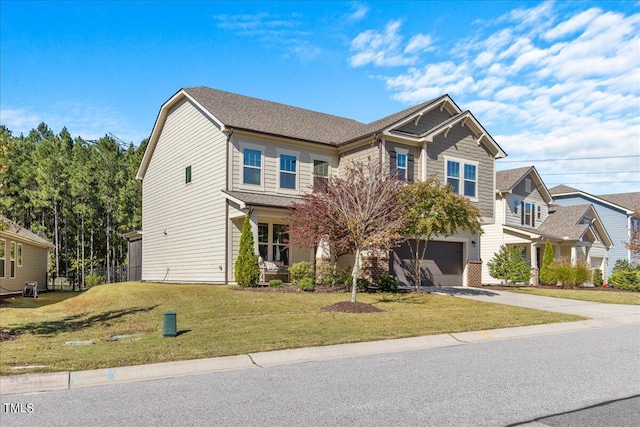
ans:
(527, 216)
(246, 156)
(24, 257)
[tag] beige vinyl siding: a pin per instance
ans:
(193, 215)
(271, 165)
(413, 150)
(490, 242)
(360, 154)
(518, 193)
(426, 122)
(461, 144)
(34, 266)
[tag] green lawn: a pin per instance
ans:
(223, 320)
(607, 297)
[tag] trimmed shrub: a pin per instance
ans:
(509, 264)
(276, 283)
(387, 283)
(247, 271)
(299, 271)
(597, 277)
(93, 280)
(361, 284)
(627, 280)
(306, 284)
(548, 257)
(567, 275)
(326, 275)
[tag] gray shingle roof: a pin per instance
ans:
(25, 234)
(244, 112)
(260, 199)
(561, 189)
(629, 201)
(563, 222)
(506, 179)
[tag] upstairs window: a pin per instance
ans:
(470, 180)
(516, 204)
(527, 215)
(288, 171)
(12, 260)
(187, 174)
(252, 167)
(463, 177)
(320, 173)
(539, 212)
(19, 254)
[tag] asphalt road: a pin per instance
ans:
(578, 378)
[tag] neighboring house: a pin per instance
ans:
(214, 157)
(616, 212)
(526, 216)
(24, 257)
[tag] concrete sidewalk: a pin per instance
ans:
(602, 316)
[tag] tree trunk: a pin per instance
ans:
(356, 274)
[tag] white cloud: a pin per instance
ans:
(384, 49)
(559, 82)
(419, 43)
(359, 11)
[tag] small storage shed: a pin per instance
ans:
(24, 257)
(134, 267)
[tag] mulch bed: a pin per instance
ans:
(352, 307)
(6, 336)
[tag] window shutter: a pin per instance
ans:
(410, 167)
(521, 213)
(392, 161)
(533, 215)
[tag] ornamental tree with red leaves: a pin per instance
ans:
(358, 210)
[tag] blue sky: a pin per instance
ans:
(548, 80)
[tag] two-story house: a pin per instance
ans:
(527, 216)
(617, 212)
(214, 157)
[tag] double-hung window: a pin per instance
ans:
(263, 240)
(527, 214)
(252, 166)
(401, 165)
(288, 171)
(19, 254)
(272, 242)
(12, 258)
(320, 173)
(462, 176)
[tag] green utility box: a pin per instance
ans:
(170, 326)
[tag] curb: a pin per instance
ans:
(31, 383)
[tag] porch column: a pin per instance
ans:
(253, 219)
(556, 251)
(574, 255)
(534, 265)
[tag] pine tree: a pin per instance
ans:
(247, 272)
(548, 257)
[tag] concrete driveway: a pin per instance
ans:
(594, 310)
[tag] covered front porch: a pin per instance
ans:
(587, 249)
(268, 217)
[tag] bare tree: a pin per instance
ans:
(359, 209)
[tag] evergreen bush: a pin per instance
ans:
(548, 257)
(93, 280)
(597, 277)
(306, 284)
(247, 271)
(387, 283)
(509, 264)
(299, 271)
(627, 280)
(276, 283)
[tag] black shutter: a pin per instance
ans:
(521, 213)
(410, 167)
(392, 161)
(533, 215)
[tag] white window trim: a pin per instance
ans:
(241, 184)
(321, 158)
(404, 152)
(461, 178)
(295, 154)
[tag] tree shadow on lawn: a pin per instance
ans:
(76, 322)
(406, 298)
